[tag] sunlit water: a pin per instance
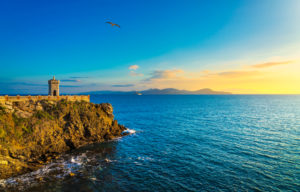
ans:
(185, 143)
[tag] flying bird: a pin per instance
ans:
(113, 24)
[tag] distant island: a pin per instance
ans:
(168, 91)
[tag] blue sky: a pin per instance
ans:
(179, 44)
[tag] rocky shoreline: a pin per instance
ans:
(32, 133)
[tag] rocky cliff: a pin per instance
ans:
(34, 132)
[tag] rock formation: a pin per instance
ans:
(34, 132)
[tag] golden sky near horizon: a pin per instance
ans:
(277, 77)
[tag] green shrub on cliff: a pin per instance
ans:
(2, 133)
(2, 111)
(21, 126)
(18, 120)
(43, 115)
(13, 127)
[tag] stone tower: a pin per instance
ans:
(53, 87)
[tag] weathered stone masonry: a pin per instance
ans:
(53, 87)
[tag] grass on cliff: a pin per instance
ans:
(2, 130)
(13, 127)
(43, 115)
(2, 111)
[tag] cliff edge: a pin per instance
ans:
(34, 132)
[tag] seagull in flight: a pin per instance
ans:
(113, 24)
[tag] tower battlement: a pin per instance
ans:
(53, 87)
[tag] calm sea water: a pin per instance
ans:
(190, 143)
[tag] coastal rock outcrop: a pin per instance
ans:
(34, 132)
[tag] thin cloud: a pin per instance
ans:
(17, 83)
(70, 86)
(78, 77)
(238, 73)
(125, 85)
(270, 64)
(16, 87)
(133, 67)
(133, 73)
(70, 80)
(165, 74)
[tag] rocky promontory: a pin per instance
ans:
(34, 132)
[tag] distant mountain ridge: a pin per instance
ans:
(168, 91)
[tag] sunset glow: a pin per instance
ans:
(244, 47)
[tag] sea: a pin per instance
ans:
(184, 143)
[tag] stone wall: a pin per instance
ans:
(6, 98)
